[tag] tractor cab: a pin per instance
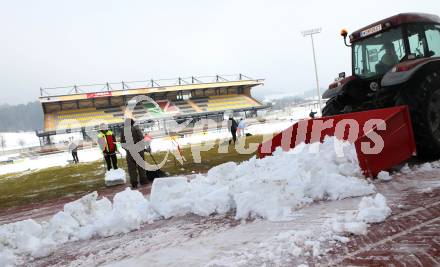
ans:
(378, 49)
(395, 62)
(391, 45)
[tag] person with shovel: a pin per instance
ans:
(154, 173)
(73, 148)
(135, 171)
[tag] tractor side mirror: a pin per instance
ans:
(342, 75)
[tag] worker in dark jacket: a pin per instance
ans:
(136, 172)
(107, 143)
(233, 125)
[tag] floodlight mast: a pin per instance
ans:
(311, 33)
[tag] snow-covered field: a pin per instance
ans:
(47, 161)
(271, 191)
(19, 140)
(161, 144)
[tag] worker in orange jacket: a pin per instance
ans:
(107, 143)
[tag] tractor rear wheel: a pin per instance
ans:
(423, 100)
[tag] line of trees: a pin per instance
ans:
(22, 117)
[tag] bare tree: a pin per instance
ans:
(21, 142)
(2, 142)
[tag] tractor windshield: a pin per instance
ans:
(377, 54)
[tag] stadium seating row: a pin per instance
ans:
(87, 117)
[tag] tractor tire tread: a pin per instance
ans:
(420, 91)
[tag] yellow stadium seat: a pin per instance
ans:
(231, 101)
(79, 118)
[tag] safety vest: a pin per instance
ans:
(105, 141)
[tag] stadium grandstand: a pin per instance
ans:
(82, 108)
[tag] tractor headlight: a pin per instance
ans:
(374, 86)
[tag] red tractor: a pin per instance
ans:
(395, 62)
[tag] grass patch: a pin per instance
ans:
(38, 186)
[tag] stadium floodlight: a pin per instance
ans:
(311, 33)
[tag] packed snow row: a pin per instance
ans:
(272, 188)
(115, 177)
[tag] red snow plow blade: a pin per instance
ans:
(383, 138)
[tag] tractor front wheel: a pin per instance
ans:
(332, 107)
(423, 100)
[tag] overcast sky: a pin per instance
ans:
(55, 42)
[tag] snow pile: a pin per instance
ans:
(7, 258)
(373, 210)
(277, 250)
(384, 176)
(80, 220)
(370, 210)
(299, 243)
(177, 196)
(130, 209)
(426, 166)
(272, 188)
(115, 177)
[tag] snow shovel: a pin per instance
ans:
(151, 175)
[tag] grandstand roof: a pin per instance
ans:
(90, 91)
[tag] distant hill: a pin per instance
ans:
(22, 117)
(283, 100)
(289, 94)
